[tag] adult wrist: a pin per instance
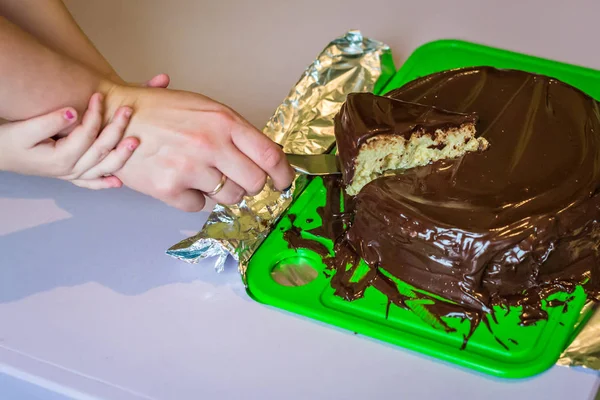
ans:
(115, 96)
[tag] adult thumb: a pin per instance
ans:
(159, 81)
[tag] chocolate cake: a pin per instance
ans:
(375, 134)
(510, 225)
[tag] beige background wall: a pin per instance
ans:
(248, 54)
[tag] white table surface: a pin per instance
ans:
(90, 307)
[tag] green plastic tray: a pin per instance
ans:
(526, 351)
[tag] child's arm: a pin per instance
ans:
(87, 156)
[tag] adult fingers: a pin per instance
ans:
(189, 200)
(106, 182)
(73, 146)
(105, 143)
(239, 168)
(265, 153)
(114, 161)
(35, 130)
(229, 192)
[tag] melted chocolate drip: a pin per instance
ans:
(295, 240)
(335, 216)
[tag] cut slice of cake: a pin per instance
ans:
(375, 134)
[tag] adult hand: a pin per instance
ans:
(189, 144)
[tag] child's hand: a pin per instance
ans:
(86, 156)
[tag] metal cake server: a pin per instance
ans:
(317, 164)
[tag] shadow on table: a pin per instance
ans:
(117, 238)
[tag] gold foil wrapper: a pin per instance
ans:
(302, 124)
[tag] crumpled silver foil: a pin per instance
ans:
(584, 350)
(302, 124)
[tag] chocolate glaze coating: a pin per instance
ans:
(365, 115)
(522, 216)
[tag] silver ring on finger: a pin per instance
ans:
(219, 186)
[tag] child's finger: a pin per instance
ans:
(114, 161)
(73, 146)
(107, 182)
(35, 130)
(108, 139)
